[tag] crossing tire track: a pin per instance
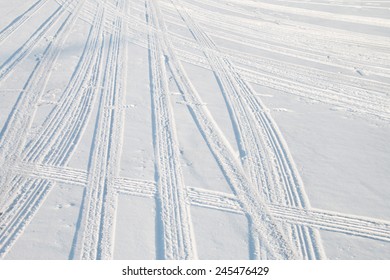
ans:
(15, 131)
(364, 227)
(24, 194)
(278, 246)
(260, 145)
(314, 218)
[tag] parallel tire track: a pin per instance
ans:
(63, 125)
(12, 223)
(26, 194)
(100, 206)
(15, 131)
(172, 196)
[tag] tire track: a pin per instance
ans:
(177, 233)
(26, 204)
(259, 144)
(8, 66)
(101, 204)
(19, 121)
(359, 89)
(361, 95)
(376, 105)
(135, 187)
(277, 245)
(52, 173)
(303, 40)
(64, 125)
(20, 20)
(31, 173)
(315, 218)
(24, 194)
(335, 222)
(311, 83)
(379, 22)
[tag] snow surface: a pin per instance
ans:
(194, 129)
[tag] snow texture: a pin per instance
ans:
(194, 129)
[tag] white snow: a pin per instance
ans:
(194, 129)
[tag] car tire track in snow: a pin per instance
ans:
(360, 95)
(317, 14)
(331, 44)
(61, 130)
(315, 218)
(356, 94)
(277, 245)
(135, 187)
(267, 188)
(14, 133)
(22, 192)
(19, 55)
(99, 212)
(259, 145)
(13, 223)
(320, 219)
(52, 173)
(353, 93)
(20, 20)
(178, 240)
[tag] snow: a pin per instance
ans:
(202, 129)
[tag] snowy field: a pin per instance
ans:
(194, 129)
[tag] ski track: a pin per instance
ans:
(177, 233)
(267, 187)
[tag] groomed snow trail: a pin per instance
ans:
(250, 49)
